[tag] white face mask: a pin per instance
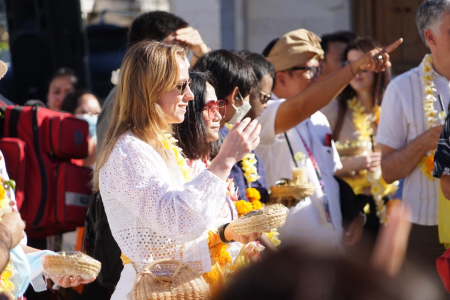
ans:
(241, 111)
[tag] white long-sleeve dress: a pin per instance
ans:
(152, 212)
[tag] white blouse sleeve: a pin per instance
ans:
(135, 180)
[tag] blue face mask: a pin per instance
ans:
(21, 278)
(92, 121)
(27, 269)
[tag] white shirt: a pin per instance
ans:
(152, 212)
(307, 220)
(402, 120)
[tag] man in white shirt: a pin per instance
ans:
(295, 56)
(407, 135)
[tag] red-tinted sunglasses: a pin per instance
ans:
(213, 106)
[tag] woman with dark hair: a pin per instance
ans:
(63, 82)
(198, 134)
(236, 78)
(353, 118)
(85, 105)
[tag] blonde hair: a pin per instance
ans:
(148, 71)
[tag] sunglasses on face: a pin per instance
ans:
(313, 71)
(264, 97)
(182, 87)
(213, 106)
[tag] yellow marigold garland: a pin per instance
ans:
(361, 120)
(426, 164)
(211, 276)
(249, 168)
(221, 255)
(169, 143)
(363, 124)
(248, 164)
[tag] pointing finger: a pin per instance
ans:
(393, 46)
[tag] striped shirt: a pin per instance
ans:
(403, 120)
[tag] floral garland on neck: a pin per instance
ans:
(169, 143)
(361, 120)
(426, 164)
(363, 124)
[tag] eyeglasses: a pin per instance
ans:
(213, 106)
(264, 97)
(182, 87)
(313, 71)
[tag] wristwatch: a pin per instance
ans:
(222, 234)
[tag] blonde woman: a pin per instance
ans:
(155, 210)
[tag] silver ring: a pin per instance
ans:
(380, 57)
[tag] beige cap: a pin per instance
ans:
(294, 48)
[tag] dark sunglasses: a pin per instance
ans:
(313, 71)
(213, 106)
(264, 97)
(182, 87)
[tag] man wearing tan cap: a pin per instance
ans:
(292, 124)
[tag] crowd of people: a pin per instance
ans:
(189, 131)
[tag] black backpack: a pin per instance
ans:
(99, 243)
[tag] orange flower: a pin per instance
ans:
(252, 194)
(243, 207)
(212, 239)
(429, 162)
(211, 277)
(256, 204)
(221, 254)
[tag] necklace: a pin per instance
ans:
(363, 124)
(426, 164)
(169, 143)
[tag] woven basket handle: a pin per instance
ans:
(148, 269)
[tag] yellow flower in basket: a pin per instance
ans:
(256, 204)
(252, 194)
(243, 207)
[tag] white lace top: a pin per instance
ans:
(151, 211)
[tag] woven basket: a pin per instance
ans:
(298, 192)
(352, 151)
(169, 279)
(71, 263)
(271, 216)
